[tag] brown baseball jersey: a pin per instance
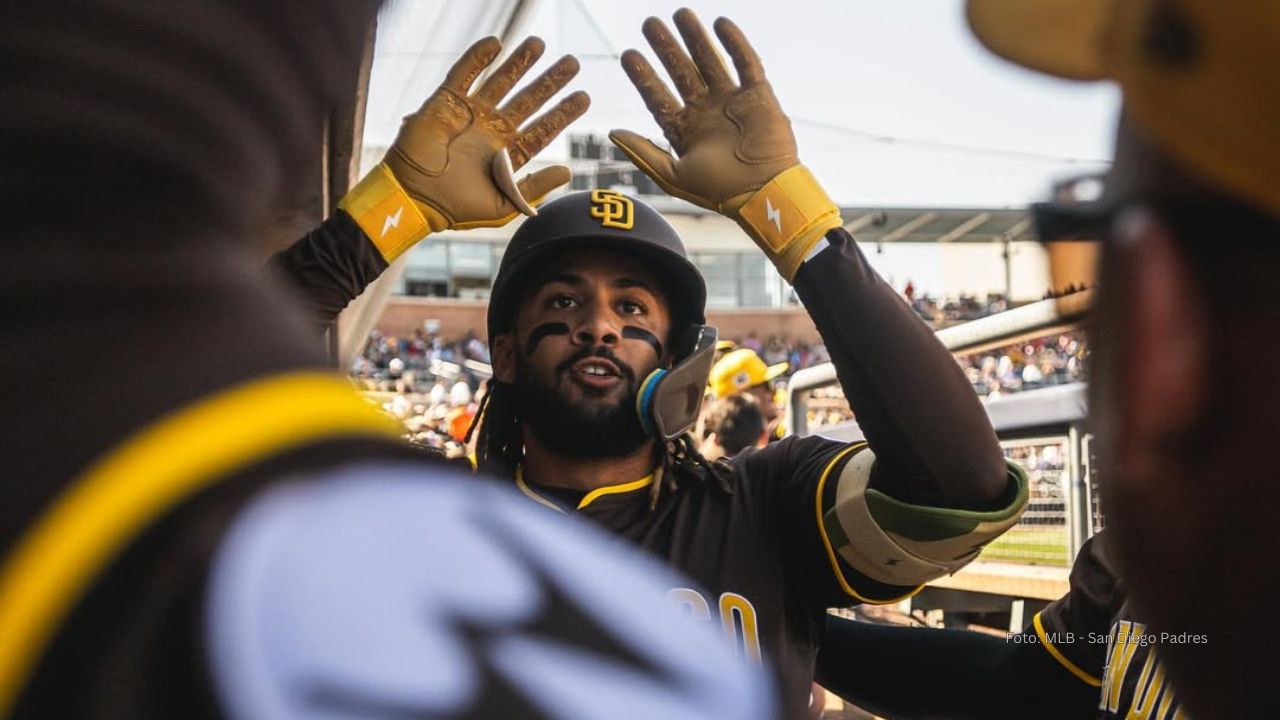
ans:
(1094, 633)
(760, 559)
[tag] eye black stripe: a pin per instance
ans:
(634, 333)
(545, 329)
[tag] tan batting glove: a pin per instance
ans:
(451, 165)
(735, 150)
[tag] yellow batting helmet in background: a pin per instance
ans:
(740, 370)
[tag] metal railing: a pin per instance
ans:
(1032, 320)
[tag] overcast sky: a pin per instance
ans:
(884, 95)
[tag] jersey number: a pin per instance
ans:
(737, 616)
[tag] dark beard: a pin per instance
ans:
(574, 430)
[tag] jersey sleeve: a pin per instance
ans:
(874, 522)
(844, 543)
(329, 266)
(933, 442)
(1074, 628)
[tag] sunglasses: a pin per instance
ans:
(1084, 209)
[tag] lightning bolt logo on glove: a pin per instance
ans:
(773, 214)
(378, 206)
(392, 221)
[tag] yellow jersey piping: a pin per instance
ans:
(96, 517)
(1062, 659)
(614, 489)
(826, 541)
(588, 498)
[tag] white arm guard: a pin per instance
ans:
(896, 543)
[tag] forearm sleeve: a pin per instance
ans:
(330, 266)
(915, 673)
(932, 440)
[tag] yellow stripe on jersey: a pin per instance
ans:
(121, 494)
(528, 491)
(589, 498)
(826, 539)
(643, 482)
(1057, 654)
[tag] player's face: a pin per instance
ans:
(591, 327)
(586, 335)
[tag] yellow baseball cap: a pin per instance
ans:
(740, 370)
(1199, 76)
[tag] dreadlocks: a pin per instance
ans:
(678, 460)
(500, 447)
(499, 434)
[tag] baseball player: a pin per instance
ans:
(1188, 221)
(601, 357)
(743, 371)
(203, 522)
(1183, 400)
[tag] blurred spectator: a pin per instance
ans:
(460, 394)
(733, 424)
(775, 350)
(939, 313)
(392, 364)
(1042, 362)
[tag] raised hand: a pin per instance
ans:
(455, 155)
(732, 140)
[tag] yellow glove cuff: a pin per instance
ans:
(788, 216)
(385, 212)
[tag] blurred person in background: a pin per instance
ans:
(1189, 224)
(733, 424)
(242, 536)
(742, 371)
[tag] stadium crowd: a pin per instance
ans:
(434, 384)
(939, 313)
(1052, 360)
(426, 382)
(387, 359)
(431, 384)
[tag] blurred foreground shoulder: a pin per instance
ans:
(370, 591)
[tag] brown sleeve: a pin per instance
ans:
(330, 266)
(933, 443)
